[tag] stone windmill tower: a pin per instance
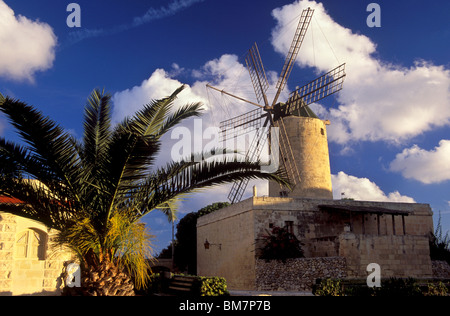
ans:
(291, 127)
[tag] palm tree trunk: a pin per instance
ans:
(105, 279)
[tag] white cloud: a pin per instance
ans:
(26, 46)
(221, 72)
(380, 101)
(425, 166)
(363, 189)
(157, 86)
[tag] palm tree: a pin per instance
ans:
(95, 190)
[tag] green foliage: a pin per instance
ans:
(389, 287)
(213, 286)
(399, 287)
(440, 244)
(211, 208)
(281, 245)
(330, 287)
(438, 289)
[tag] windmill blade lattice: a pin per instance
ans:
(257, 74)
(256, 146)
(317, 89)
(300, 33)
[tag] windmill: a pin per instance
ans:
(277, 114)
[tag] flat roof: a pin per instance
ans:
(362, 209)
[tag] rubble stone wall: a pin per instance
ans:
(297, 274)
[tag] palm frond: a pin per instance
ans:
(180, 178)
(38, 202)
(48, 143)
(97, 133)
(181, 114)
(133, 244)
(151, 118)
(135, 143)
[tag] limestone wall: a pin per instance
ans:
(29, 264)
(308, 141)
(231, 252)
(398, 256)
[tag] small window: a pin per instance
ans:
(322, 131)
(289, 226)
(347, 227)
(31, 245)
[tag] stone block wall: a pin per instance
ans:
(308, 142)
(231, 252)
(7, 239)
(398, 256)
(39, 274)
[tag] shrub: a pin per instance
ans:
(389, 287)
(399, 287)
(440, 244)
(330, 287)
(213, 286)
(436, 289)
(281, 245)
(203, 286)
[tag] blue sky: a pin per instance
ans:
(390, 133)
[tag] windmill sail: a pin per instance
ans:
(256, 146)
(287, 154)
(257, 74)
(300, 33)
(241, 124)
(316, 90)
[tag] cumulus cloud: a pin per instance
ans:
(157, 86)
(363, 189)
(380, 100)
(26, 46)
(428, 167)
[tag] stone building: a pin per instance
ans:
(29, 263)
(393, 235)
